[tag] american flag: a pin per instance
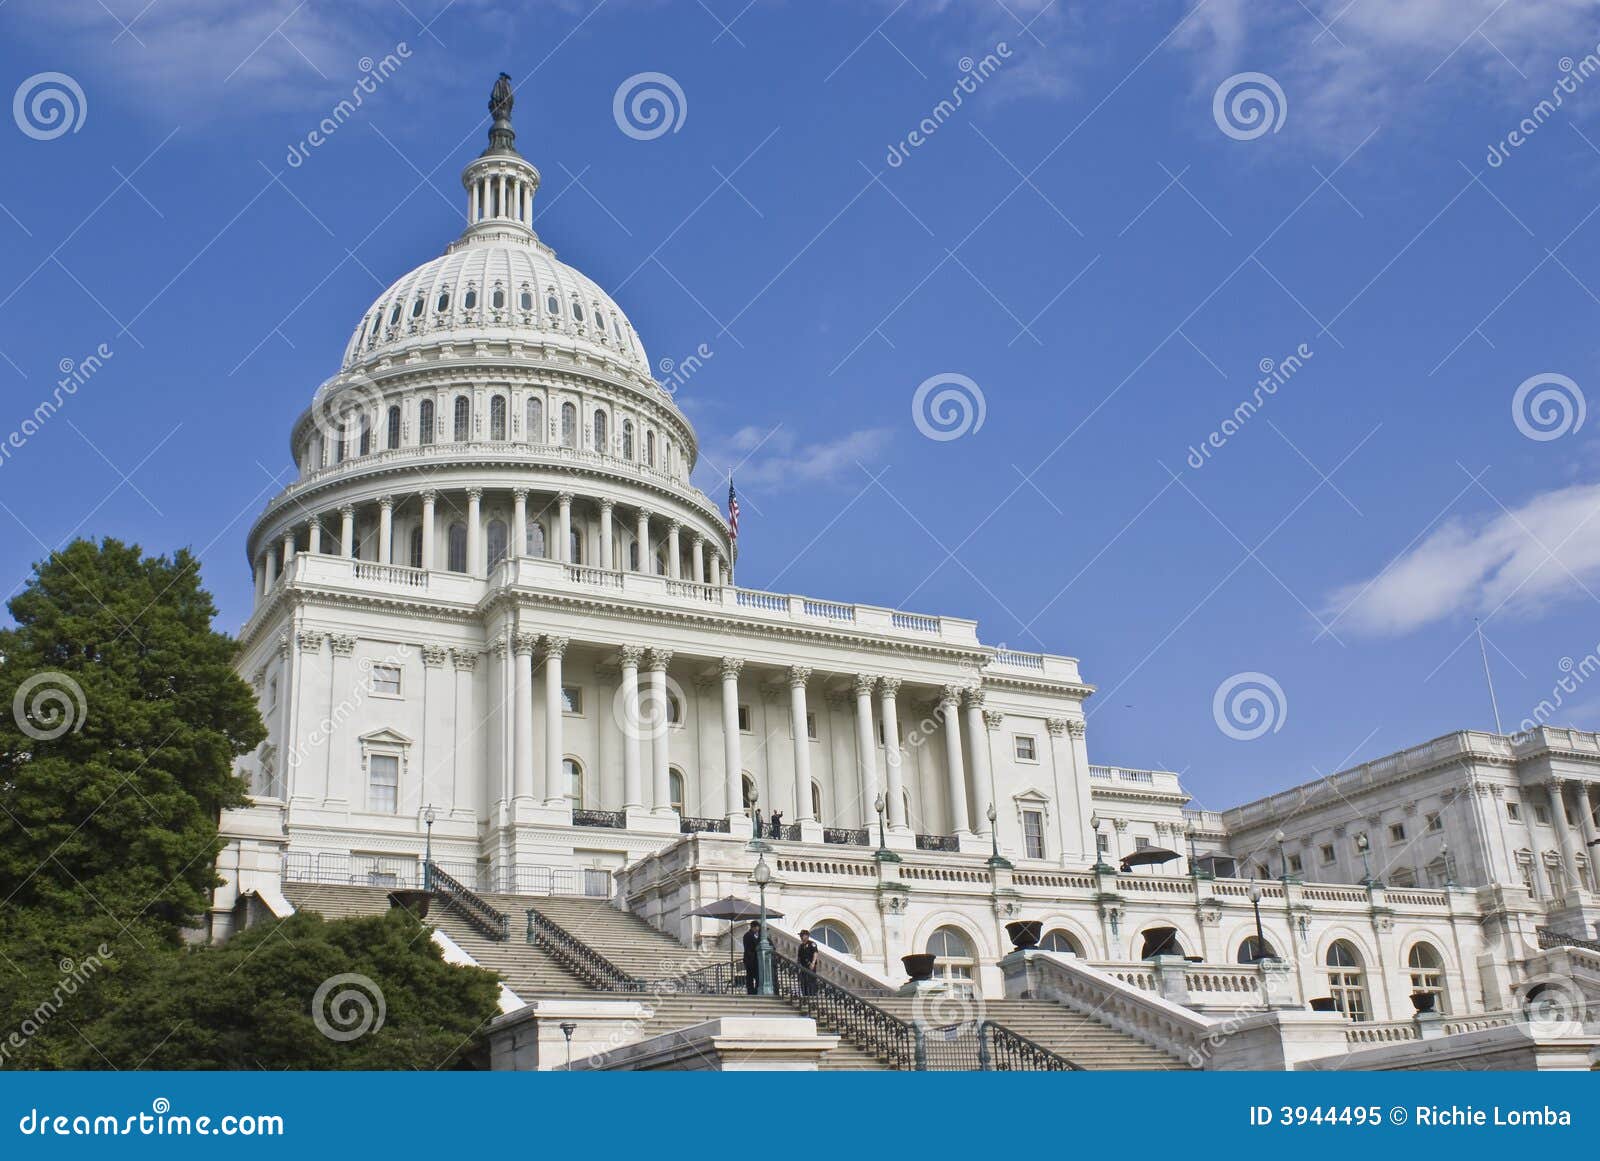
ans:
(733, 510)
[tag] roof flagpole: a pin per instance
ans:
(1487, 676)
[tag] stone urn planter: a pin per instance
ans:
(415, 902)
(1323, 1004)
(919, 966)
(1423, 1001)
(1025, 933)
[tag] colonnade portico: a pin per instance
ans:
(367, 531)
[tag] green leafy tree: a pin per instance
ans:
(120, 720)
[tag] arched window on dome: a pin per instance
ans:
(364, 426)
(463, 428)
(535, 539)
(497, 417)
(425, 422)
(393, 440)
(456, 554)
(627, 439)
(675, 789)
(469, 300)
(577, 311)
(602, 435)
(616, 328)
(394, 316)
(650, 448)
(552, 305)
(535, 420)
(600, 323)
(497, 542)
(497, 299)
(416, 307)
(416, 547)
(574, 773)
(525, 300)
(442, 303)
(569, 425)
(377, 321)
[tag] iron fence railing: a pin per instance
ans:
(847, 837)
(937, 842)
(1007, 1051)
(462, 900)
(610, 819)
(577, 956)
(1549, 937)
(846, 1014)
(702, 825)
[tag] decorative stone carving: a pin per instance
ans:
(1077, 727)
(864, 683)
(950, 695)
(555, 646)
(343, 645)
(974, 697)
(524, 643)
(889, 685)
(994, 719)
(1056, 726)
(730, 666)
(1208, 912)
(310, 640)
(630, 655)
(500, 647)
(433, 656)
(465, 660)
(386, 503)
(798, 676)
(659, 658)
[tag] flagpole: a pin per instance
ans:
(1487, 676)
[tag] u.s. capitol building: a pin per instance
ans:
(495, 622)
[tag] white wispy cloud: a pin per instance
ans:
(761, 456)
(1516, 560)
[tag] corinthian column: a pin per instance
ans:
(698, 558)
(955, 768)
(644, 541)
(733, 762)
(429, 498)
(887, 687)
(662, 788)
(564, 528)
(632, 726)
(1558, 819)
(522, 717)
(519, 524)
(474, 532)
(982, 769)
(866, 747)
(347, 530)
(554, 790)
(798, 676)
(606, 507)
(385, 529)
(672, 549)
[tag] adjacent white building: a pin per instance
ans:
(494, 619)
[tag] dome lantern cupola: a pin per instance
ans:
(500, 182)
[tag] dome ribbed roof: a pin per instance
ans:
(491, 287)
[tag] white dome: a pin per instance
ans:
(490, 287)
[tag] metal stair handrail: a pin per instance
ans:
(1549, 937)
(578, 957)
(859, 1021)
(465, 902)
(1010, 1051)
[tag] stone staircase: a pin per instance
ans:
(1081, 1039)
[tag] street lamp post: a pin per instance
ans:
(567, 1029)
(428, 817)
(1188, 830)
(1261, 937)
(883, 853)
(1100, 864)
(761, 877)
(996, 859)
(1283, 860)
(1363, 844)
(757, 843)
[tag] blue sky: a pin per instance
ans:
(1089, 239)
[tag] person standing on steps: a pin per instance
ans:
(752, 957)
(808, 964)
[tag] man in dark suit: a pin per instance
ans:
(752, 957)
(808, 964)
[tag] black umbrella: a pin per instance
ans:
(732, 908)
(1148, 856)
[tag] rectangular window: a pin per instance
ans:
(1027, 749)
(383, 783)
(1295, 864)
(1397, 831)
(1327, 852)
(1102, 843)
(811, 726)
(1435, 823)
(386, 680)
(571, 699)
(1541, 815)
(1263, 871)
(744, 719)
(1033, 833)
(1141, 844)
(1513, 812)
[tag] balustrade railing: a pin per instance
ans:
(702, 826)
(846, 1014)
(613, 819)
(1549, 937)
(463, 901)
(847, 837)
(1009, 1051)
(578, 957)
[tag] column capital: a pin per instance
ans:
(888, 686)
(310, 641)
(631, 655)
(555, 646)
(674, 525)
(566, 498)
(474, 493)
(343, 645)
(519, 494)
(950, 695)
(348, 511)
(994, 719)
(429, 495)
(798, 676)
(386, 503)
(699, 538)
(465, 660)
(864, 683)
(1056, 726)
(523, 644)
(643, 513)
(433, 656)
(500, 647)
(606, 505)
(731, 666)
(974, 697)
(659, 658)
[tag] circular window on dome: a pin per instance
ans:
(577, 311)
(444, 301)
(526, 300)
(498, 298)
(553, 305)
(470, 301)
